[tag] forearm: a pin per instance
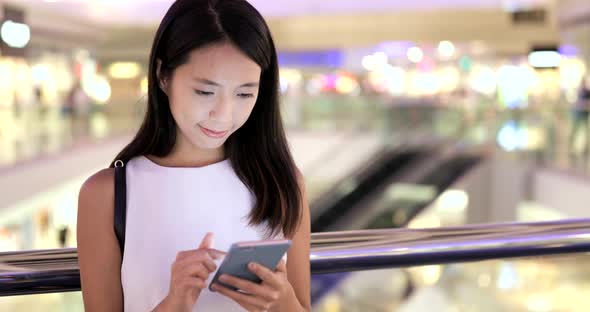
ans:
(291, 304)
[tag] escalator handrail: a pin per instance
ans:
(44, 271)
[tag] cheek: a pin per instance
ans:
(187, 110)
(241, 114)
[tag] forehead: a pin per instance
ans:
(222, 62)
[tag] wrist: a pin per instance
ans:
(291, 302)
(168, 305)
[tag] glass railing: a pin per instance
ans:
(360, 134)
(367, 126)
(33, 133)
(542, 130)
(42, 220)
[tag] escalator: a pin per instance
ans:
(370, 205)
(398, 213)
(363, 182)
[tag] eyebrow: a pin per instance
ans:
(213, 83)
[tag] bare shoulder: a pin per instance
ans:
(98, 250)
(100, 182)
(96, 197)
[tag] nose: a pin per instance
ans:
(222, 110)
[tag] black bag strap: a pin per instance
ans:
(120, 204)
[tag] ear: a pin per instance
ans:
(162, 81)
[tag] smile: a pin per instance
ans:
(212, 133)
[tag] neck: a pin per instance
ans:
(185, 154)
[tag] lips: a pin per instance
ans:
(213, 133)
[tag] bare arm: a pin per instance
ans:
(98, 248)
(298, 269)
(287, 288)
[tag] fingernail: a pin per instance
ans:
(223, 278)
(252, 265)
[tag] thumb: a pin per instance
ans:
(207, 241)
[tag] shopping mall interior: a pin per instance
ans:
(426, 117)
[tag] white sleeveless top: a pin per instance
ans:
(170, 210)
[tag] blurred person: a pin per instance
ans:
(77, 109)
(580, 114)
(67, 108)
(16, 105)
(63, 236)
(38, 95)
(43, 110)
(70, 100)
(210, 161)
(43, 218)
(40, 100)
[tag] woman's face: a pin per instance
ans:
(212, 95)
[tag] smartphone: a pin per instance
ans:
(267, 253)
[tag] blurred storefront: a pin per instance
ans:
(46, 57)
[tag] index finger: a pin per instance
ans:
(215, 253)
(208, 253)
(207, 241)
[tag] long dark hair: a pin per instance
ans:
(258, 151)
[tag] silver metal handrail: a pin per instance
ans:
(45, 271)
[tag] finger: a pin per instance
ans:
(250, 307)
(193, 253)
(213, 253)
(191, 282)
(264, 273)
(197, 270)
(240, 298)
(202, 257)
(216, 254)
(210, 265)
(194, 269)
(282, 266)
(250, 287)
(207, 241)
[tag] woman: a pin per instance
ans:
(209, 161)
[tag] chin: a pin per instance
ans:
(208, 143)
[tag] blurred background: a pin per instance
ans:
(422, 113)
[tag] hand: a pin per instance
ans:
(190, 272)
(258, 297)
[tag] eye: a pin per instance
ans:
(245, 95)
(203, 93)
